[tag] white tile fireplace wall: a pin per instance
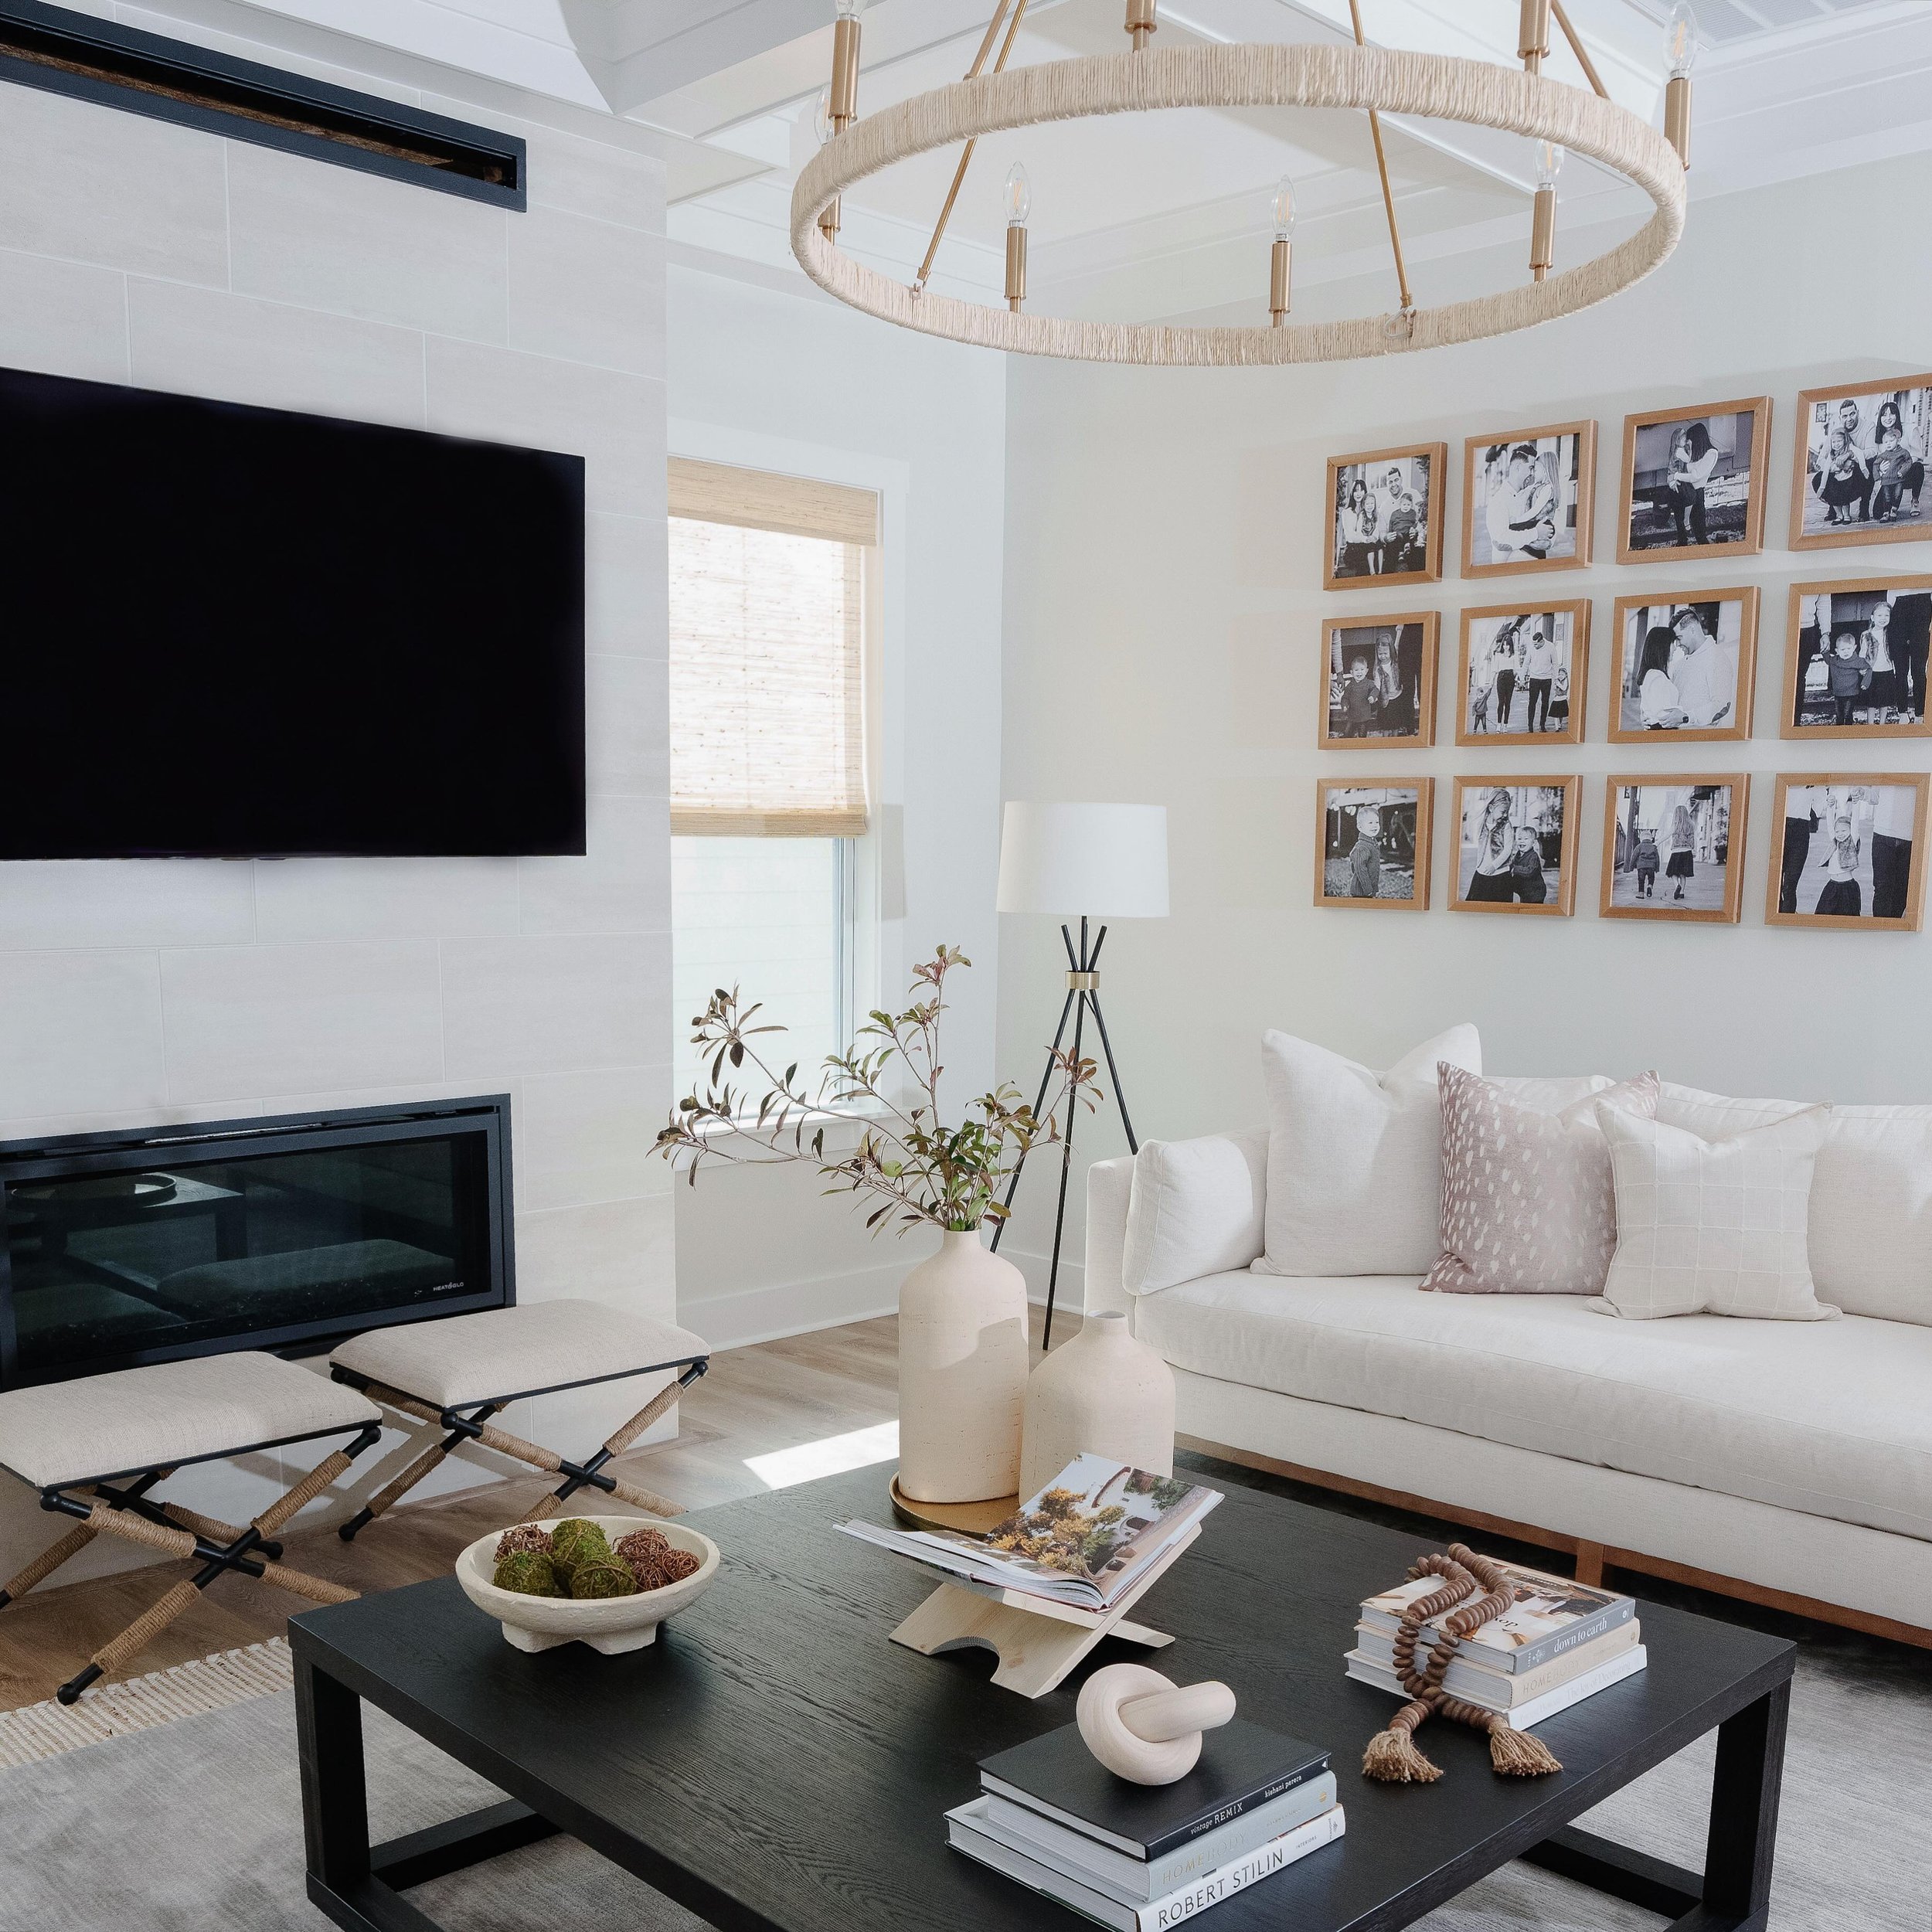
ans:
(133, 251)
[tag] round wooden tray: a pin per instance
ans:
(966, 1518)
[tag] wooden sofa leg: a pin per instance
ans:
(1590, 1565)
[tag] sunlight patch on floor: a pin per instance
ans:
(829, 1456)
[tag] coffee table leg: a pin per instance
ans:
(329, 1730)
(1743, 1825)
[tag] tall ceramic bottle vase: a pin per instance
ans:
(962, 1374)
(1103, 1394)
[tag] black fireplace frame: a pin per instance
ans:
(64, 1156)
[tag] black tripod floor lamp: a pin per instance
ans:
(1089, 863)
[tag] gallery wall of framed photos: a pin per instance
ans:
(1680, 649)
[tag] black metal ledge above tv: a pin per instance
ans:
(61, 51)
(289, 1234)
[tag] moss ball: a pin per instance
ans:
(529, 1535)
(594, 1578)
(576, 1540)
(528, 1572)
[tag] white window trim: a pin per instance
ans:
(875, 894)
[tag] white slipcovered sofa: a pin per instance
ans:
(1789, 1462)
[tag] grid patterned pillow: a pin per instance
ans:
(1716, 1226)
(1528, 1204)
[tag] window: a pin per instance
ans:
(773, 869)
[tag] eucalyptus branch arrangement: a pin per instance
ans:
(927, 1174)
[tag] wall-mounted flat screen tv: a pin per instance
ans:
(230, 632)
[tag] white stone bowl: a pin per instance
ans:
(612, 1624)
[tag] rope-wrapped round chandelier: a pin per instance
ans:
(1556, 116)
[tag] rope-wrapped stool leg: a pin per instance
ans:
(146, 1628)
(49, 1560)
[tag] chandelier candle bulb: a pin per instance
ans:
(844, 65)
(1142, 19)
(1680, 52)
(1281, 267)
(1542, 221)
(1019, 204)
(829, 221)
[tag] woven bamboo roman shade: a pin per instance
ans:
(767, 653)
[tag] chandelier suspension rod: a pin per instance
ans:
(1381, 169)
(1577, 47)
(966, 156)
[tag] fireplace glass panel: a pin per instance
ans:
(163, 1257)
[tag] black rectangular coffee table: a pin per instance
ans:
(776, 1765)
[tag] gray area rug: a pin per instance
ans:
(196, 1827)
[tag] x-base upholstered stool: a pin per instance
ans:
(96, 1446)
(459, 1371)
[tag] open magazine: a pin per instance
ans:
(1086, 1540)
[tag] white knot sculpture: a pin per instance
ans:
(1145, 1727)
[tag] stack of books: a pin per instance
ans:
(1558, 1644)
(1142, 1858)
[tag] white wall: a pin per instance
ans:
(772, 378)
(1163, 610)
(133, 251)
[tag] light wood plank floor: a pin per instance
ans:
(755, 1402)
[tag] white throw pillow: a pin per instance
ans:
(1355, 1157)
(1871, 1212)
(1195, 1209)
(1550, 1093)
(1712, 1225)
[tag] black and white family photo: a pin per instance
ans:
(1694, 481)
(1674, 848)
(1857, 664)
(1371, 845)
(1387, 517)
(1853, 851)
(1860, 465)
(1686, 667)
(1523, 674)
(1528, 500)
(1380, 681)
(1517, 846)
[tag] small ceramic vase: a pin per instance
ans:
(1105, 1394)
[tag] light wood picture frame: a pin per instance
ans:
(1852, 481)
(1523, 835)
(1404, 828)
(1503, 516)
(1846, 834)
(1667, 840)
(1892, 668)
(1723, 622)
(1496, 698)
(1387, 525)
(1725, 467)
(1377, 691)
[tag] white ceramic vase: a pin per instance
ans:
(1103, 1394)
(962, 1374)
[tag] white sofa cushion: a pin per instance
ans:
(1831, 1419)
(1716, 1226)
(1355, 1157)
(1196, 1209)
(1870, 1217)
(170, 1412)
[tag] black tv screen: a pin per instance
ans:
(236, 632)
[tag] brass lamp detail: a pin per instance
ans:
(1281, 267)
(829, 221)
(1533, 35)
(1142, 19)
(842, 107)
(1680, 51)
(1019, 204)
(1543, 219)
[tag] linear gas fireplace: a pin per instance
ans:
(287, 1234)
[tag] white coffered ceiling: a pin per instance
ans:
(1169, 215)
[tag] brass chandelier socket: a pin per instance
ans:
(1089, 982)
(1533, 35)
(1677, 115)
(1543, 234)
(1142, 19)
(1016, 264)
(829, 221)
(1278, 281)
(841, 108)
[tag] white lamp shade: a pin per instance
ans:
(1106, 861)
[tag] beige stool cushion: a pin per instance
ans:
(135, 1419)
(500, 1352)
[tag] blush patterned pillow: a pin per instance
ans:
(1528, 1198)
